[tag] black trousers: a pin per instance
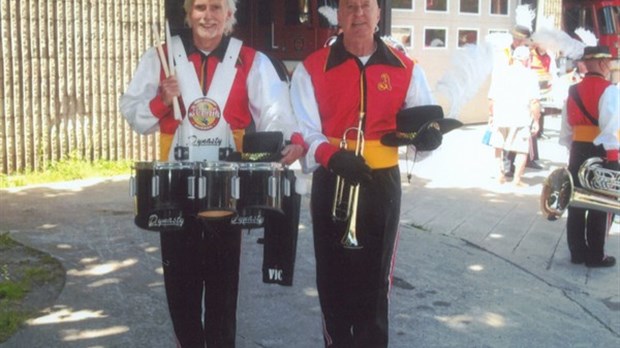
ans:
(201, 270)
(353, 285)
(585, 229)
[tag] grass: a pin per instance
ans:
(18, 278)
(66, 170)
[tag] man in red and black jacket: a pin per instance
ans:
(357, 80)
(591, 128)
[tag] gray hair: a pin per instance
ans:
(228, 26)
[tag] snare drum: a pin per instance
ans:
(164, 194)
(262, 186)
(218, 190)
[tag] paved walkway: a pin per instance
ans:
(477, 266)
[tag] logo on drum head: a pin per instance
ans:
(204, 114)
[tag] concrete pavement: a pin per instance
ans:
(477, 266)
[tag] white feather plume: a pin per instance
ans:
(545, 22)
(470, 67)
(524, 16)
(330, 13)
(586, 36)
(558, 41)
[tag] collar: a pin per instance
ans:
(218, 52)
(383, 55)
(595, 74)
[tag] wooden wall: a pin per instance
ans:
(64, 64)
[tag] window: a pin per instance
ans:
(467, 36)
(609, 20)
(499, 7)
(469, 6)
(437, 5)
(403, 35)
(435, 37)
(402, 4)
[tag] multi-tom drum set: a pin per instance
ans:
(167, 193)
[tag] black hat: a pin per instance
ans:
(410, 121)
(596, 52)
(521, 32)
(262, 146)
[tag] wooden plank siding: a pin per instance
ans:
(63, 65)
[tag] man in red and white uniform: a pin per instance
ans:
(358, 75)
(590, 128)
(201, 262)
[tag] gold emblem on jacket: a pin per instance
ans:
(384, 84)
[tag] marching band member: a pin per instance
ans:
(223, 88)
(357, 75)
(590, 128)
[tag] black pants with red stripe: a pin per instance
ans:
(354, 285)
(585, 228)
(201, 270)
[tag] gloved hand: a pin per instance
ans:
(613, 165)
(428, 138)
(349, 166)
(611, 160)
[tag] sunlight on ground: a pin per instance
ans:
(75, 335)
(476, 268)
(462, 321)
(311, 292)
(104, 282)
(66, 315)
(102, 269)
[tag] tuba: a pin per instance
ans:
(601, 190)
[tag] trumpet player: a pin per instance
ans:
(590, 128)
(358, 82)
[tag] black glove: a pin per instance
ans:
(613, 165)
(349, 166)
(428, 139)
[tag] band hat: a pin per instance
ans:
(521, 32)
(596, 52)
(410, 121)
(262, 147)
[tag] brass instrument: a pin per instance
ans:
(345, 205)
(601, 190)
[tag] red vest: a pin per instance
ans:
(590, 90)
(342, 87)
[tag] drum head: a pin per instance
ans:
(216, 214)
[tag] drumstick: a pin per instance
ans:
(167, 72)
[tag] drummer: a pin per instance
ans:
(220, 86)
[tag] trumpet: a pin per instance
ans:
(601, 190)
(346, 196)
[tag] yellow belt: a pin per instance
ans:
(587, 133)
(165, 142)
(377, 155)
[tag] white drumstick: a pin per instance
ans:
(167, 71)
